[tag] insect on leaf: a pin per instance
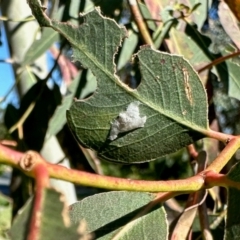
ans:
(173, 108)
(127, 121)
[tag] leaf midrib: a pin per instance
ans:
(130, 91)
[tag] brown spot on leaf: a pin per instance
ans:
(162, 61)
(187, 86)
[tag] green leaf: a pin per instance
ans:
(147, 16)
(232, 229)
(58, 119)
(128, 48)
(162, 30)
(172, 97)
(53, 221)
(199, 13)
(4, 134)
(77, 6)
(234, 81)
(5, 216)
(88, 84)
(191, 45)
(39, 47)
(229, 24)
(121, 215)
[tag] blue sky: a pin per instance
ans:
(6, 73)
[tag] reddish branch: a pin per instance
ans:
(226, 154)
(195, 183)
(218, 61)
(192, 152)
(33, 163)
(35, 166)
(12, 157)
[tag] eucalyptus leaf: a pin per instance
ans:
(234, 81)
(128, 48)
(171, 96)
(5, 216)
(232, 228)
(89, 84)
(58, 119)
(39, 47)
(147, 16)
(167, 112)
(121, 215)
(53, 220)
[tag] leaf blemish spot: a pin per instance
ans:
(127, 120)
(187, 87)
(162, 61)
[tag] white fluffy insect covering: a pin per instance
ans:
(127, 120)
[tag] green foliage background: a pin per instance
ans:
(175, 29)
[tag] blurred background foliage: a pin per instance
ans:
(198, 30)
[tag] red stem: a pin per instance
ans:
(87, 179)
(215, 179)
(12, 157)
(218, 61)
(195, 183)
(42, 181)
(224, 157)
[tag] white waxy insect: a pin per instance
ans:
(127, 120)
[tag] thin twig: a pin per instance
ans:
(218, 61)
(30, 18)
(8, 93)
(20, 122)
(192, 152)
(8, 142)
(140, 22)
